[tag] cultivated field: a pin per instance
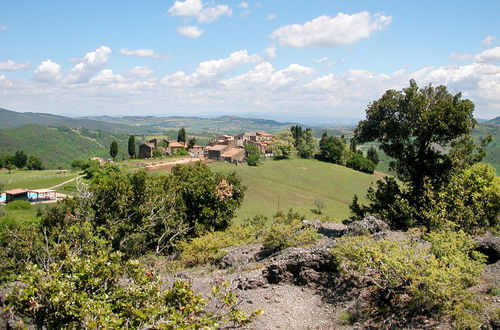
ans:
(296, 184)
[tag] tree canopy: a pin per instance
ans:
(414, 126)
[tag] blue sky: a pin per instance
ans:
(310, 61)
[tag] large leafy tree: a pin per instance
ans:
(20, 159)
(415, 126)
(332, 149)
(131, 146)
(427, 133)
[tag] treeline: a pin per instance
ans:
(20, 160)
(301, 142)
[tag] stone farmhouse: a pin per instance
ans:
(225, 148)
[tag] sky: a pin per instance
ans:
(315, 62)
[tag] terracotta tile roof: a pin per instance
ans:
(218, 147)
(176, 145)
(16, 191)
(232, 152)
(263, 133)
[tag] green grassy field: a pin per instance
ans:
(33, 179)
(296, 184)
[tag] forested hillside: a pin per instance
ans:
(11, 119)
(59, 146)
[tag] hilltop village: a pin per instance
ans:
(229, 148)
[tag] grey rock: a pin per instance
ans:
(241, 255)
(489, 246)
(369, 225)
(328, 229)
(302, 266)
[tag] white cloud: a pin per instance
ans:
(320, 60)
(91, 63)
(460, 57)
(488, 55)
(210, 71)
(199, 10)
(106, 76)
(328, 31)
(48, 71)
(270, 17)
(190, 31)
(488, 40)
(13, 66)
(270, 52)
(4, 82)
(243, 4)
(140, 71)
(264, 76)
(142, 53)
(3, 28)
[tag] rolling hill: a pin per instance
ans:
(297, 183)
(12, 119)
(59, 146)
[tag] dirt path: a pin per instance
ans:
(65, 182)
(167, 165)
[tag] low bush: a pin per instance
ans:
(208, 248)
(19, 205)
(410, 278)
(288, 230)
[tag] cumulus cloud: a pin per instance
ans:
(488, 55)
(140, 72)
(488, 40)
(190, 31)
(106, 76)
(243, 5)
(142, 53)
(13, 66)
(265, 76)
(328, 31)
(4, 82)
(270, 17)
(48, 71)
(270, 52)
(210, 71)
(91, 63)
(199, 10)
(3, 28)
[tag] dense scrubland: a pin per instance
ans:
(112, 256)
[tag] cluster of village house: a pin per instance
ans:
(225, 148)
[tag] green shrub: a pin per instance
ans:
(101, 291)
(208, 248)
(19, 205)
(288, 230)
(470, 201)
(412, 279)
(359, 163)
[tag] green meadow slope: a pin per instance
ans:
(297, 183)
(59, 146)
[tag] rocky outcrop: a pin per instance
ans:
(328, 229)
(369, 225)
(302, 266)
(490, 247)
(242, 255)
